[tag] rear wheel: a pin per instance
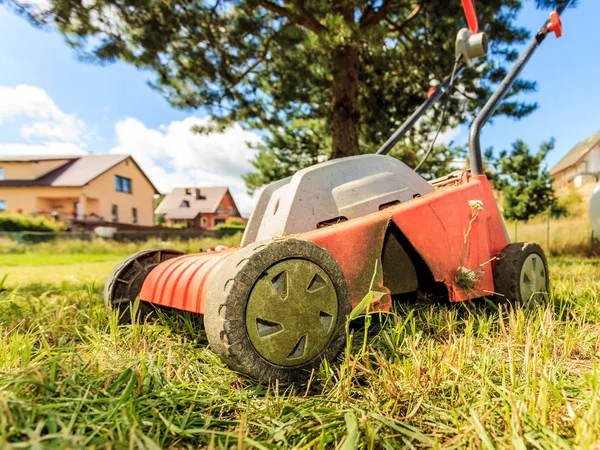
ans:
(125, 282)
(276, 310)
(521, 273)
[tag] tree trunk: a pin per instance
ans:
(345, 113)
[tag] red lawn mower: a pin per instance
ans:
(320, 241)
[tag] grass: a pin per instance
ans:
(429, 375)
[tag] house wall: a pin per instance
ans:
(97, 197)
(33, 199)
(586, 171)
(29, 170)
(226, 210)
(103, 189)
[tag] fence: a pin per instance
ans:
(568, 236)
(121, 236)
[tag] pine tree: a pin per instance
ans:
(337, 75)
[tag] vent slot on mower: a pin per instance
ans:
(334, 221)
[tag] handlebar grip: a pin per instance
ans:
(469, 9)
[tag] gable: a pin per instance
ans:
(576, 153)
(125, 169)
(228, 202)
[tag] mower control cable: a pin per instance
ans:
(432, 97)
(444, 107)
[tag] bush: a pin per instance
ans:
(231, 227)
(572, 203)
(26, 222)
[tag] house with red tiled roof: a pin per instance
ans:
(91, 187)
(198, 207)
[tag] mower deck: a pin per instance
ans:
(358, 245)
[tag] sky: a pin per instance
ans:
(50, 102)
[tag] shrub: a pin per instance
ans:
(572, 203)
(27, 222)
(232, 226)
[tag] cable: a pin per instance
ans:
(444, 107)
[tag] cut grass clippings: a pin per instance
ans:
(432, 375)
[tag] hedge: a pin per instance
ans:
(27, 222)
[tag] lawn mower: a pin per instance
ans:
(321, 241)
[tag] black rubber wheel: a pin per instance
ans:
(521, 273)
(275, 310)
(125, 282)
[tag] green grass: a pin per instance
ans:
(432, 375)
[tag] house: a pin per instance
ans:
(198, 207)
(93, 187)
(580, 167)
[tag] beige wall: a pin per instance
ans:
(29, 170)
(103, 189)
(36, 199)
(96, 197)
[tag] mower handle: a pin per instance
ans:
(435, 92)
(432, 97)
(471, 16)
(551, 25)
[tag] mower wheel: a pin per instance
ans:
(521, 273)
(275, 310)
(125, 282)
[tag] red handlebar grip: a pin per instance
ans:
(471, 16)
(555, 24)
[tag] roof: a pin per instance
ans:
(576, 153)
(79, 170)
(208, 203)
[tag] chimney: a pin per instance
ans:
(198, 196)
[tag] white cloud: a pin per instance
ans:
(49, 122)
(171, 154)
(449, 135)
(47, 148)
(174, 156)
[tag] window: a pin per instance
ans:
(2, 205)
(133, 215)
(230, 211)
(219, 221)
(122, 184)
(203, 222)
(219, 210)
(1, 173)
(184, 204)
(115, 213)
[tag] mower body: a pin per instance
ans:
(391, 232)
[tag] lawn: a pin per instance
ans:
(431, 375)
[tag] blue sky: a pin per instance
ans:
(111, 108)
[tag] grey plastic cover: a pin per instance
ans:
(340, 189)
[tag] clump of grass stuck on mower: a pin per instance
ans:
(467, 279)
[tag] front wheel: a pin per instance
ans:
(275, 310)
(521, 273)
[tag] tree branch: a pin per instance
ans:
(400, 26)
(307, 21)
(259, 60)
(371, 17)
